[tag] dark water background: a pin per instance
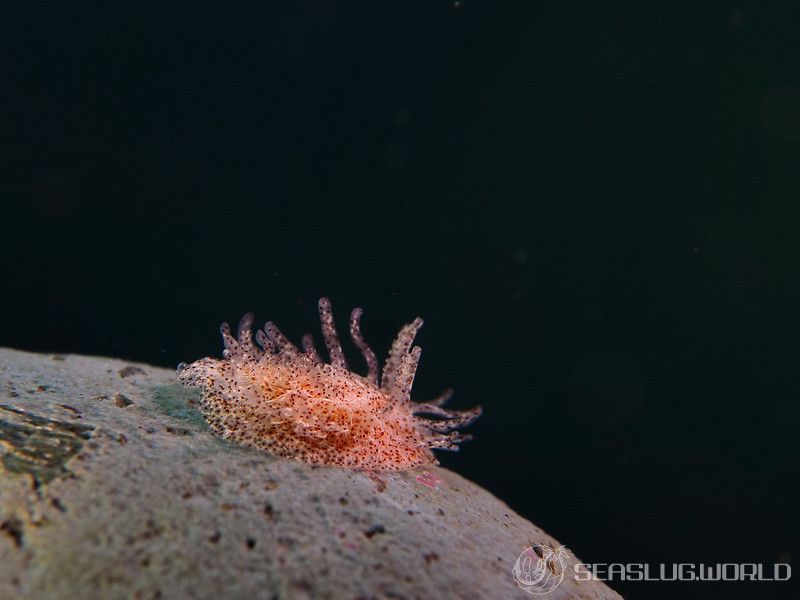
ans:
(596, 208)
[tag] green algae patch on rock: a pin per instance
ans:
(176, 401)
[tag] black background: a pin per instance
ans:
(594, 206)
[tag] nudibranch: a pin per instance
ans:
(289, 402)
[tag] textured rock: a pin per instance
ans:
(111, 486)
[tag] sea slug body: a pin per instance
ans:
(273, 396)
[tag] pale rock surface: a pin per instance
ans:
(111, 486)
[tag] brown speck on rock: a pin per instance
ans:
(372, 531)
(287, 542)
(122, 439)
(380, 484)
(215, 537)
(178, 430)
(430, 557)
(72, 409)
(13, 528)
(121, 400)
(130, 371)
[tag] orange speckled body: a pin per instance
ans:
(290, 403)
